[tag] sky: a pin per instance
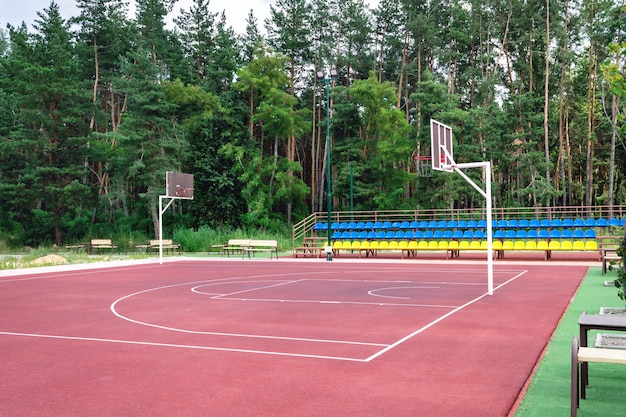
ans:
(15, 12)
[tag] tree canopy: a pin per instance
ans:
(98, 107)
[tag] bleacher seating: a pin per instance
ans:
(410, 236)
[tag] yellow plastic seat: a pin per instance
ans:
(432, 244)
(530, 245)
(554, 245)
(475, 245)
(507, 245)
(393, 244)
(403, 244)
(365, 244)
(566, 245)
(496, 245)
(374, 244)
(422, 245)
(591, 245)
(453, 245)
(519, 245)
(384, 245)
(442, 244)
(464, 244)
(412, 245)
(338, 244)
(542, 245)
(578, 245)
(484, 245)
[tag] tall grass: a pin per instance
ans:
(201, 240)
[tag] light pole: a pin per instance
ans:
(321, 77)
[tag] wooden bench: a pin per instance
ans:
(608, 255)
(168, 246)
(311, 246)
(270, 246)
(234, 246)
(101, 244)
(585, 355)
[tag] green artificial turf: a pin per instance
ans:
(549, 392)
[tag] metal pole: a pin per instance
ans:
(329, 253)
(351, 194)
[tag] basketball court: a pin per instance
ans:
(268, 338)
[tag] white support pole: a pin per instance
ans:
(161, 211)
(487, 194)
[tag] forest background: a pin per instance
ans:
(98, 107)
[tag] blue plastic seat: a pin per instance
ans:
(614, 222)
(363, 234)
(458, 234)
(378, 225)
(578, 234)
(461, 224)
(567, 234)
(334, 226)
(578, 222)
(386, 225)
(513, 223)
(533, 234)
(371, 234)
(534, 223)
(418, 234)
(555, 234)
(545, 223)
(320, 226)
(414, 224)
(448, 234)
(472, 224)
(521, 234)
(428, 234)
(468, 234)
(360, 225)
(395, 225)
(479, 234)
(343, 226)
(346, 235)
(451, 224)
(567, 223)
(442, 224)
(423, 224)
(602, 222)
(543, 234)
(555, 222)
(336, 235)
(405, 225)
(369, 225)
(438, 234)
(523, 223)
(502, 223)
(409, 234)
(432, 224)
(481, 224)
(399, 234)
(590, 222)
(590, 234)
(498, 234)
(509, 234)
(380, 234)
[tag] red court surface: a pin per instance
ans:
(276, 338)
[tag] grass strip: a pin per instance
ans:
(548, 394)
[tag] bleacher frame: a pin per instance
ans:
(602, 224)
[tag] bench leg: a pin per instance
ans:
(574, 379)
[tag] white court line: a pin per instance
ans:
(217, 297)
(445, 316)
(135, 342)
(366, 303)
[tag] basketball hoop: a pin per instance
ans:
(424, 166)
